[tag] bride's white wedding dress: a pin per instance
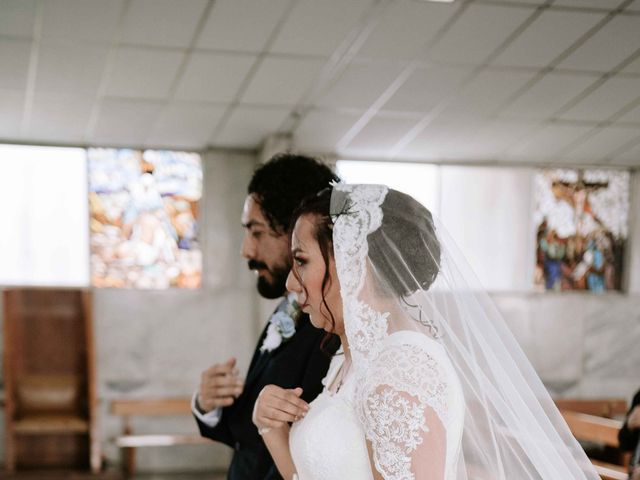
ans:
(438, 387)
(329, 443)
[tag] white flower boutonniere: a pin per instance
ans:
(282, 326)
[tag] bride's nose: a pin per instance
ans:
(292, 284)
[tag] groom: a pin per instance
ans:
(288, 352)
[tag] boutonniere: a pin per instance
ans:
(282, 326)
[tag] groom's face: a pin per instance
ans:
(267, 251)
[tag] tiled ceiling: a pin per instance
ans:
(487, 81)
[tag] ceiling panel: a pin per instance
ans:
(241, 25)
(55, 116)
(14, 58)
(405, 28)
(495, 136)
(11, 108)
(546, 142)
(125, 122)
(165, 23)
(598, 147)
(599, 4)
(608, 47)
(185, 125)
(426, 88)
(487, 92)
(296, 37)
(475, 35)
(544, 97)
(360, 85)
(606, 100)
(143, 73)
(321, 131)
(530, 3)
(81, 19)
(214, 77)
(17, 17)
(633, 67)
(630, 157)
(248, 127)
(282, 81)
(547, 37)
(446, 137)
(380, 135)
(318, 28)
(70, 67)
(632, 115)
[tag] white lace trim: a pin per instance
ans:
(364, 326)
(392, 396)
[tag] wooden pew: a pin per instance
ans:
(128, 441)
(584, 426)
(600, 430)
(600, 407)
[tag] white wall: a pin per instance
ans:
(633, 254)
(581, 345)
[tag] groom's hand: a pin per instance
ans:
(219, 386)
(276, 406)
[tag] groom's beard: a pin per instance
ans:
(275, 286)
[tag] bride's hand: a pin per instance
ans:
(276, 406)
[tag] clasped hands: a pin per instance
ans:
(277, 407)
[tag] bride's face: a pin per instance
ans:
(308, 274)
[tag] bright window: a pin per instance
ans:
(415, 179)
(44, 216)
(487, 212)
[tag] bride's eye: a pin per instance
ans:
(299, 261)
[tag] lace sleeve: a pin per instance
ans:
(403, 407)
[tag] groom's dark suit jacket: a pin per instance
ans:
(629, 438)
(297, 362)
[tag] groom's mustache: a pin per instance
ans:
(255, 265)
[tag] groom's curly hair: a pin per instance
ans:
(280, 185)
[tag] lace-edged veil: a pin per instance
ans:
(425, 337)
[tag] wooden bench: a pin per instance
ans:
(584, 426)
(128, 441)
(600, 407)
(599, 430)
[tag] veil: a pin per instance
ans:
(443, 389)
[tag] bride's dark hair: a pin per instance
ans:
(318, 206)
(414, 262)
(405, 251)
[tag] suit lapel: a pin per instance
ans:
(260, 364)
(260, 359)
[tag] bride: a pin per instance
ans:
(429, 384)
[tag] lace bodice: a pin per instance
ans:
(330, 442)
